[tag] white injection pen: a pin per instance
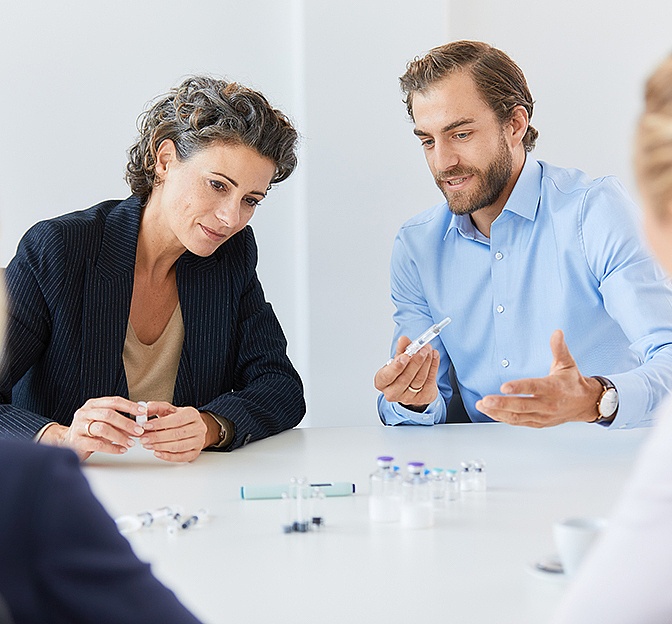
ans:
(426, 336)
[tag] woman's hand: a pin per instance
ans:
(179, 434)
(99, 425)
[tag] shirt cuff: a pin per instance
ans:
(40, 433)
(633, 401)
(396, 414)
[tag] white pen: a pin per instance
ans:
(424, 338)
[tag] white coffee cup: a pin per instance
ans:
(573, 539)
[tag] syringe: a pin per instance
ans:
(424, 338)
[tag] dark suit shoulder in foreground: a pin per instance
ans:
(63, 559)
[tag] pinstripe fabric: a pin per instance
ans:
(70, 287)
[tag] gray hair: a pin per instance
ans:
(204, 110)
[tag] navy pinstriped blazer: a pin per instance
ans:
(70, 287)
(63, 559)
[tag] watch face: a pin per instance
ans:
(608, 403)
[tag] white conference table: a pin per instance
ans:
(474, 566)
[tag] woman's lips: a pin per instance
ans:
(212, 234)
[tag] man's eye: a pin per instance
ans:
(427, 142)
(461, 136)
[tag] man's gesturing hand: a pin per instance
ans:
(564, 395)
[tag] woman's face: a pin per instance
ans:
(207, 198)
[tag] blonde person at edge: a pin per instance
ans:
(626, 579)
(156, 298)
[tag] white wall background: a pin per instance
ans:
(74, 76)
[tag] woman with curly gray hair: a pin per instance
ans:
(151, 307)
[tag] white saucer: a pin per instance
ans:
(548, 568)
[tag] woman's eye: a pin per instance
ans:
(217, 185)
(251, 202)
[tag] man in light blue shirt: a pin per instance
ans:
(520, 251)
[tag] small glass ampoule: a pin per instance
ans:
(317, 504)
(302, 514)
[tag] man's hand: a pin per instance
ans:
(178, 434)
(564, 396)
(410, 380)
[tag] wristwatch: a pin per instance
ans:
(607, 404)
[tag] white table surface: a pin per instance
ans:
(473, 566)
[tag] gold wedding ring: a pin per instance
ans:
(88, 429)
(414, 390)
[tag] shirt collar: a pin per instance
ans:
(523, 201)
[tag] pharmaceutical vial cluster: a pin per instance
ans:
(170, 517)
(303, 507)
(412, 499)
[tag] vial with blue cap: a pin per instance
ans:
(452, 485)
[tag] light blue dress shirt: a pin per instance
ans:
(565, 253)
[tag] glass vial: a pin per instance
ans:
(452, 485)
(417, 510)
(466, 483)
(385, 492)
(437, 482)
(478, 478)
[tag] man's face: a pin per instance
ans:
(465, 145)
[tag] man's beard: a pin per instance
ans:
(492, 183)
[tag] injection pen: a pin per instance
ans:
(424, 338)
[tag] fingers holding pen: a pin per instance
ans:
(177, 434)
(422, 389)
(101, 425)
(409, 379)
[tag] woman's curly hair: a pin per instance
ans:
(204, 110)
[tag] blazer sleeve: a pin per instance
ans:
(80, 569)
(34, 279)
(267, 395)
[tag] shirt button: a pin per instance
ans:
(499, 255)
(505, 363)
(500, 308)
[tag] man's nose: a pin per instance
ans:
(444, 157)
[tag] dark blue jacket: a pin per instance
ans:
(70, 287)
(62, 559)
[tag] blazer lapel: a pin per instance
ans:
(204, 290)
(107, 304)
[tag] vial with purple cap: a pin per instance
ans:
(385, 492)
(417, 509)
